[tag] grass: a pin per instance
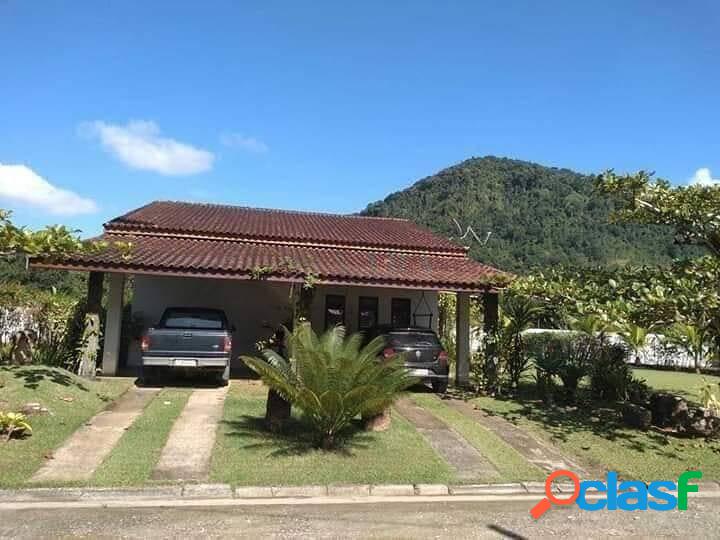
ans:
(133, 459)
(70, 400)
(677, 382)
(512, 467)
(246, 454)
(596, 435)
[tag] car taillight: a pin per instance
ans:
(145, 343)
(443, 358)
(227, 344)
(388, 353)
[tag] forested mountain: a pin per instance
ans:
(538, 216)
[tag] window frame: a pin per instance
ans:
(404, 302)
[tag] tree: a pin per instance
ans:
(692, 211)
(51, 243)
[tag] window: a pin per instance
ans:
(334, 310)
(400, 312)
(190, 319)
(367, 312)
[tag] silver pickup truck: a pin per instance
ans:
(188, 339)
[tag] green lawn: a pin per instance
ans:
(677, 382)
(512, 467)
(596, 435)
(70, 400)
(132, 461)
(246, 454)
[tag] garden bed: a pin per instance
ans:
(247, 454)
(595, 434)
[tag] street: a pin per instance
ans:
(386, 520)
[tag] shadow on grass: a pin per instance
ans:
(32, 376)
(294, 440)
(586, 416)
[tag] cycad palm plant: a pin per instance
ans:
(332, 379)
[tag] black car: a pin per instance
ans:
(421, 349)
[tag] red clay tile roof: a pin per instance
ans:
(281, 225)
(233, 259)
(242, 243)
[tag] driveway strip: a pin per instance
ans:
(535, 451)
(85, 450)
(187, 452)
(468, 463)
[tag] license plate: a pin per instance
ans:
(418, 372)
(185, 363)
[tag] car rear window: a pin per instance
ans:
(193, 319)
(413, 339)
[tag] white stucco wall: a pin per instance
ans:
(255, 307)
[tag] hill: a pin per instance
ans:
(538, 216)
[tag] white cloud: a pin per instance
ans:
(20, 184)
(702, 177)
(251, 144)
(139, 145)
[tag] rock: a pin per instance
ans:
(33, 408)
(636, 416)
(277, 411)
(379, 422)
(702, 423)
(668, 410)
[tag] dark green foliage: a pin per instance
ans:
(539, 216)
(610, 375)
(332, 379)
(69, 283)
(518, 314)
(566, 355)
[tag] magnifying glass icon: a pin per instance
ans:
(550, 498)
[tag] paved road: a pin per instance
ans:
(397, 520)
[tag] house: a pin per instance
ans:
(248, 262)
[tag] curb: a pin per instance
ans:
(226, 492)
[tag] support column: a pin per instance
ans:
(113, 324)
(91, 329)
(490, 312)
(462, 339)
(491, 318)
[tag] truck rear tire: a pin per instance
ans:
(224, 376)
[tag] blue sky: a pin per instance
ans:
(327, 106)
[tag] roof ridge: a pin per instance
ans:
(380, 248)
(265, 210)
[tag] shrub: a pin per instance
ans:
(638, 392)
(332, 379)
(567, 355)
(13, 424)
(610, 375)
(518, 314)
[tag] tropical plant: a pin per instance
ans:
(709, 398)
(332, 379)
(547, 358)
(610, 375)
(694, 340)
(13, 424)
(518, 314)
(635, 337)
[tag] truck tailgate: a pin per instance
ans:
(195, 343)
